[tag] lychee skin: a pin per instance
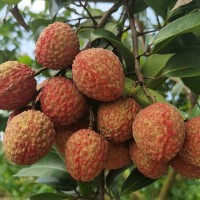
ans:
(57, 46)
(185, 169)
(98, 74)
(28, 137)
(17, 85)
(150, 168)
(64, 132)
(86, 153)
(115, 119)
(159, 131)
(118, 156)
(62, 102)
(190, 151)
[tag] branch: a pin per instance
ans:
(167, 185)
(134, 35)
(101, 186)
(40, 71)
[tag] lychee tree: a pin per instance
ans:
(116, 115)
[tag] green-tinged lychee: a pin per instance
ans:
(115, 119)
(190, 151)
(98, 74)
(185, 169)
(57, 46)
(85, 154)
(159, 131)
(28, 137)
(17, 85)
(62, 102)
(64, 132)
(118, 155)
(150, 168)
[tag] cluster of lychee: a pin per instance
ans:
(118, 132)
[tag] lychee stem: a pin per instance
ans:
(101, 186)
(91, 119)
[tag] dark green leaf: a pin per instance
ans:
(186, 24)
(183, 64)
(124, 51)
(85, 188)
(135, 181)
(54, 7)
(195, 112)
(191, 82)
(49, 166)
(50, 196)
(137, 6)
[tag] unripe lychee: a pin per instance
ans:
(62, 102)
(118, 156)
(150, 168)
(86, 153)
(190, 151)
(57, 46)
(159, 131)
(184, 168)
(98, 74)
(17, 85)
(28, 137)
(64, 132)
(115, 119)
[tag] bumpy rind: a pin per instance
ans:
(28, 137)
(86, 153)
(185, 169)
(159, 131)
(115, 119)
(190, 151)
(57, 46)
(98, 74)
(62, 102)
(17, 85)
(150, 168)
(118, 156)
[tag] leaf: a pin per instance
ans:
(183, 64)
(54, 7)
(85, 188)
(49, 166)
(137, 6)
(195, 112)
(50, 196)
(191, 82)
(123, 50)
(181, 3)
(135, 181)
(153, 67)
(159, 6)
(186, 24)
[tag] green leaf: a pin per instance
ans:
(153, 67)
(123, 50)
(159, 6)
(88, 188)
(195, 112)
(54, 7)
(186, 24)
(191, 82)
(183, 64)
(50, 196)
(135, 181)
(137, 6)
(50, 166)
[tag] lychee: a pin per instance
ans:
(115, 119)
(190, 151)
(185, 169)
(17, 85)
(86, 153)
(28, 137)
(118, 156)
(57, 46)
(98, 74)
(62, 102)
(150, 168)
(159, 131)
(64, 132)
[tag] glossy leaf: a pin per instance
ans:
(186, 24)
(49, 166)
(51, 196)
(183, 64)
(123, 50)
(135, 181)
(153, 68)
